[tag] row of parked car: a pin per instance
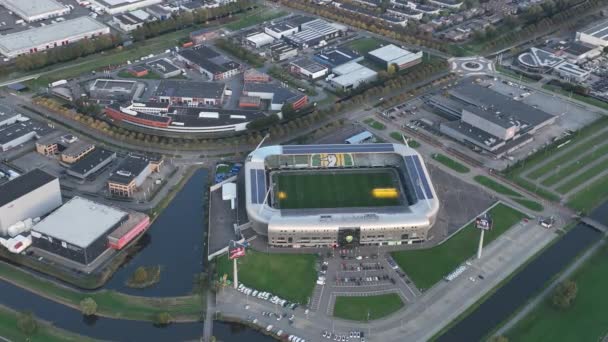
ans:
(344, 337)
(266, 296)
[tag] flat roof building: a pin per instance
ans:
(595, 34)
(78, 230)
(21, 132)
(94, 161)
(280, 30)
(209, 62)
(131, 174)
(190, 92)
(308, 68)
(259, 39)
(392, 54)
(35, 10)
(109, 89)
(277, 96)
(351, 76)
(76, 151)
(336, 57)
(50, 36)
(119, 6)
(33, 194)
(164, 68)
(281, 51)
(572, 72)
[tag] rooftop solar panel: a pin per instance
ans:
(414, 177)
(261, 190)
(425, 182)
(298, 149)
(254, 186)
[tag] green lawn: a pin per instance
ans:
(569, 169)
(428, 266)
(374, 124)
(583, 177)
(365, 45)
(451, 163)
(290, 276)
(548, 195)
(362, 308)
(45, 333)
(255, 18)
(591, 195)
(493, 185)
(586, 99)
(333, 189)
(585, 320)
(572, 153)
(530, 204)
(110, 303)
(411, 142)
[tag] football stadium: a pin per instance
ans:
(339, 195)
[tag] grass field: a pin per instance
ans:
(290, 276)
(530, 204)
(567, 170)
(254, 18)
(357, 308)
(583, 177)
(411, 142)
(451, 163)
(585, 320)
(592, 195)
(365, 45)
(428, 266)
(45, 332)
(110, 303)
(493, 185)
(375, 124)
(331, 189)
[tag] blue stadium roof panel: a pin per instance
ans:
(305, 149)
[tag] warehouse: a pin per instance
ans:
(210, 63)
(336, 57)
(165, 68)
(117, 90)
(393, 55)
(78, 230)
(280, 30)
(252, 75)
(276, 95)
(35, 10)
(351, 76)
(136, 225)
(9, 118)
(46, 37)
(33, 194)
(306, 39)
(282, 51)
(190, 93)
(131, 21)
(76, 151)
(131, 174)
(21, 132)
(308, 68)
(93, 162)
(259, 39)
(596, 34)
(120, 6)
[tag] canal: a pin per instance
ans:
(524, 285)
(174, 241)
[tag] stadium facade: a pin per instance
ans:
(338, 195)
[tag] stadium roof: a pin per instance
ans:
(194, 89)
(32, 8)
(23, 184)
(599, 30)
(80, 221)
(42, 35)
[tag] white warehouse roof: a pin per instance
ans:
(80, 221)
(390, 53)
(32, 8)
(42, 35)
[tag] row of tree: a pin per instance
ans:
(240, 52)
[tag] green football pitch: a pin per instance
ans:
(334, 189)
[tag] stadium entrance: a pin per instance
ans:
(349, 237)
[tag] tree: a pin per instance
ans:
(88, 306)
(27, 324)
(392, 69)
(163, 318)
(564, 294)
(140, 275)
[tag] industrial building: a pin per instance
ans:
(307, 68)
(336, 57)
(596, 34)
(131, 174)
(315, 33)
(78, 230)
(20, 132)
(46, 37)
(9, 118)
(120, 6)
(91, 163)
(351, 76)
(164, 68)
(393, 55)
(199, 37)
(572, 72)
(406, 221)
(538, 60)
(191, 93)
(31, 195)
(259, 39)
(163, 117)
(210, 63)
(131, 21)
(281, 51)
(487, 119)
(275, 95)
(76, 151)
(280, 30)
(252, 75)
(35, 10)
(116, 90)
